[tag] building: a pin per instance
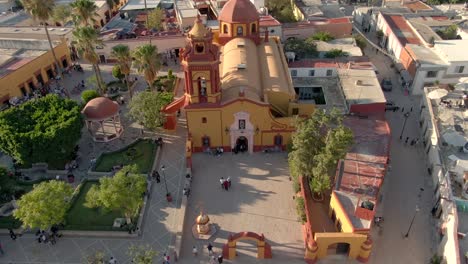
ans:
(349, 217)
(442, 116)
(26, 65)
(337, 27)
(270, 24)
(238, 92)
(349, 84)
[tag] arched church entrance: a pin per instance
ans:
(242, 144)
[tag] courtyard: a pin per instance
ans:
(260, 200)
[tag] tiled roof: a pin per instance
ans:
(401, 29)
(417, 6)
(269, 21)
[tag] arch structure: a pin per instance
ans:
(263, 248)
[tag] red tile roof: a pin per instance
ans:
(365, 164)
(401, 29)
(269, 21)
(417, 6)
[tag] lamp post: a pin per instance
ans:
(406, 115)
(412, 221)
(168, 194)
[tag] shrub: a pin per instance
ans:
(300, 209)
(89, 95)
(117, 73)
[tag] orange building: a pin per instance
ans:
(238, 92)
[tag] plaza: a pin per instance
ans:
(260, 200)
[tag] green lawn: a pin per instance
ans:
(141, 153)
(80, 217)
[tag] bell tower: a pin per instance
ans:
(200, 60)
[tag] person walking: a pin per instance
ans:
(229, 182)
(194, 251)
(226, 185)
(220, 259)
(402, 109)
(112, 260)
(406, 141)
(412, 142)
(210, 249)
(222, 182)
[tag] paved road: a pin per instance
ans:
(400, 192)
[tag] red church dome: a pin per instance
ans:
(239, 11)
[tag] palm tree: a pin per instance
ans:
(85, 39)
(42, 10)
(122, 53)
(84, 12)
(147, 61)
(61, 14)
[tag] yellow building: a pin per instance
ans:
(25, 65)
(239, 93)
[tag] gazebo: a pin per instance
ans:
(103, 119)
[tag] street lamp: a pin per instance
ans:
(412, 220)
(406, 115)
(168, 194)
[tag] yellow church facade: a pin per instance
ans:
(238, 90)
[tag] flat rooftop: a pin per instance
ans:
(140, 4)
(363, 168)
(452, 50)
(424, 30)
(361, 86)
(425, 55)
(332, 93)
(417, 6)
(402, 30)
(345, 44)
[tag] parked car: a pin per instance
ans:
(386, 85)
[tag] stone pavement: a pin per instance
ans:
(400, 192)
(260, 200)
(158, 224)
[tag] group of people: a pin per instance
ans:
(225, 183)
(45, 237)
(213, 258)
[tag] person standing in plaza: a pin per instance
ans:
(12, 234)
(112, 260)
(406, 141)
(222, 182)
(226, 185)
(229, 182)
(210, 249)
(220, 259)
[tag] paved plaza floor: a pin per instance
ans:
(260, 200)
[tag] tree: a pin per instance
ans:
(281, 10)
(147, 61)
(451, 32)
(117, 73)
(41, 130)
(142, 254)
(122, 193)
(335, 53)
(318, 143)
(85, 39)
(145, 108)
(61, 14)
(155, 18)
(84, 12)
(42, 11)
(322, 36)
(361, 42)
(89, 95)
(124, 59)
(95, 258)
(6, 185)
(300, 47)
(44, 206)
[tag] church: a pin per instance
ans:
(238, 90)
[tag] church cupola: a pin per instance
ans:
(200, 60)
(239, 18)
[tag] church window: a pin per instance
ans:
(203, 120)
(253, 28)
(199, 48)
(241, 123)
(225, 29)
(240, 31)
